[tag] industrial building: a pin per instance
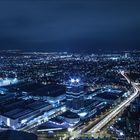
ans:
(16, 113)
(52, 93)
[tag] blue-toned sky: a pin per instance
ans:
(70, 25)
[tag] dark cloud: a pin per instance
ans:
(70, 25)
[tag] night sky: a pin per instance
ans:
(70, 25)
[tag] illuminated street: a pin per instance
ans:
(113, 113)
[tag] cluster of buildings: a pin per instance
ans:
(129, 122)
(31, 104)
(60, 90)
(17, 112)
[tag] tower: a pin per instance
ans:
(75, 95)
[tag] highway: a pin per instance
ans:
(97, 127)
(118, 108)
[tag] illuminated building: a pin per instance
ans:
(7, 81)
(71, 118)
(17, 112)
(75, 95)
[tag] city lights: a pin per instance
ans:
(83, 95)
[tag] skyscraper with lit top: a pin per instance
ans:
(75, 95)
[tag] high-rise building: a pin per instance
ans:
(75, 95)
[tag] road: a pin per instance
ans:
(119, 107)
(115, 111)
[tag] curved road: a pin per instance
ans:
(115, 111)
(118, 108)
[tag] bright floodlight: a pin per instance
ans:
(72, 80)
(77, 80)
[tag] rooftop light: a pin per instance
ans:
(77, 80)
(72, 80)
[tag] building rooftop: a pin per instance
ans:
(25, 86)
(6, 96)
(50, 90)
(16, 108)
(57, 120)
(69, 114)
(108, 96)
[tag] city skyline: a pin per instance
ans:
(69, 69)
